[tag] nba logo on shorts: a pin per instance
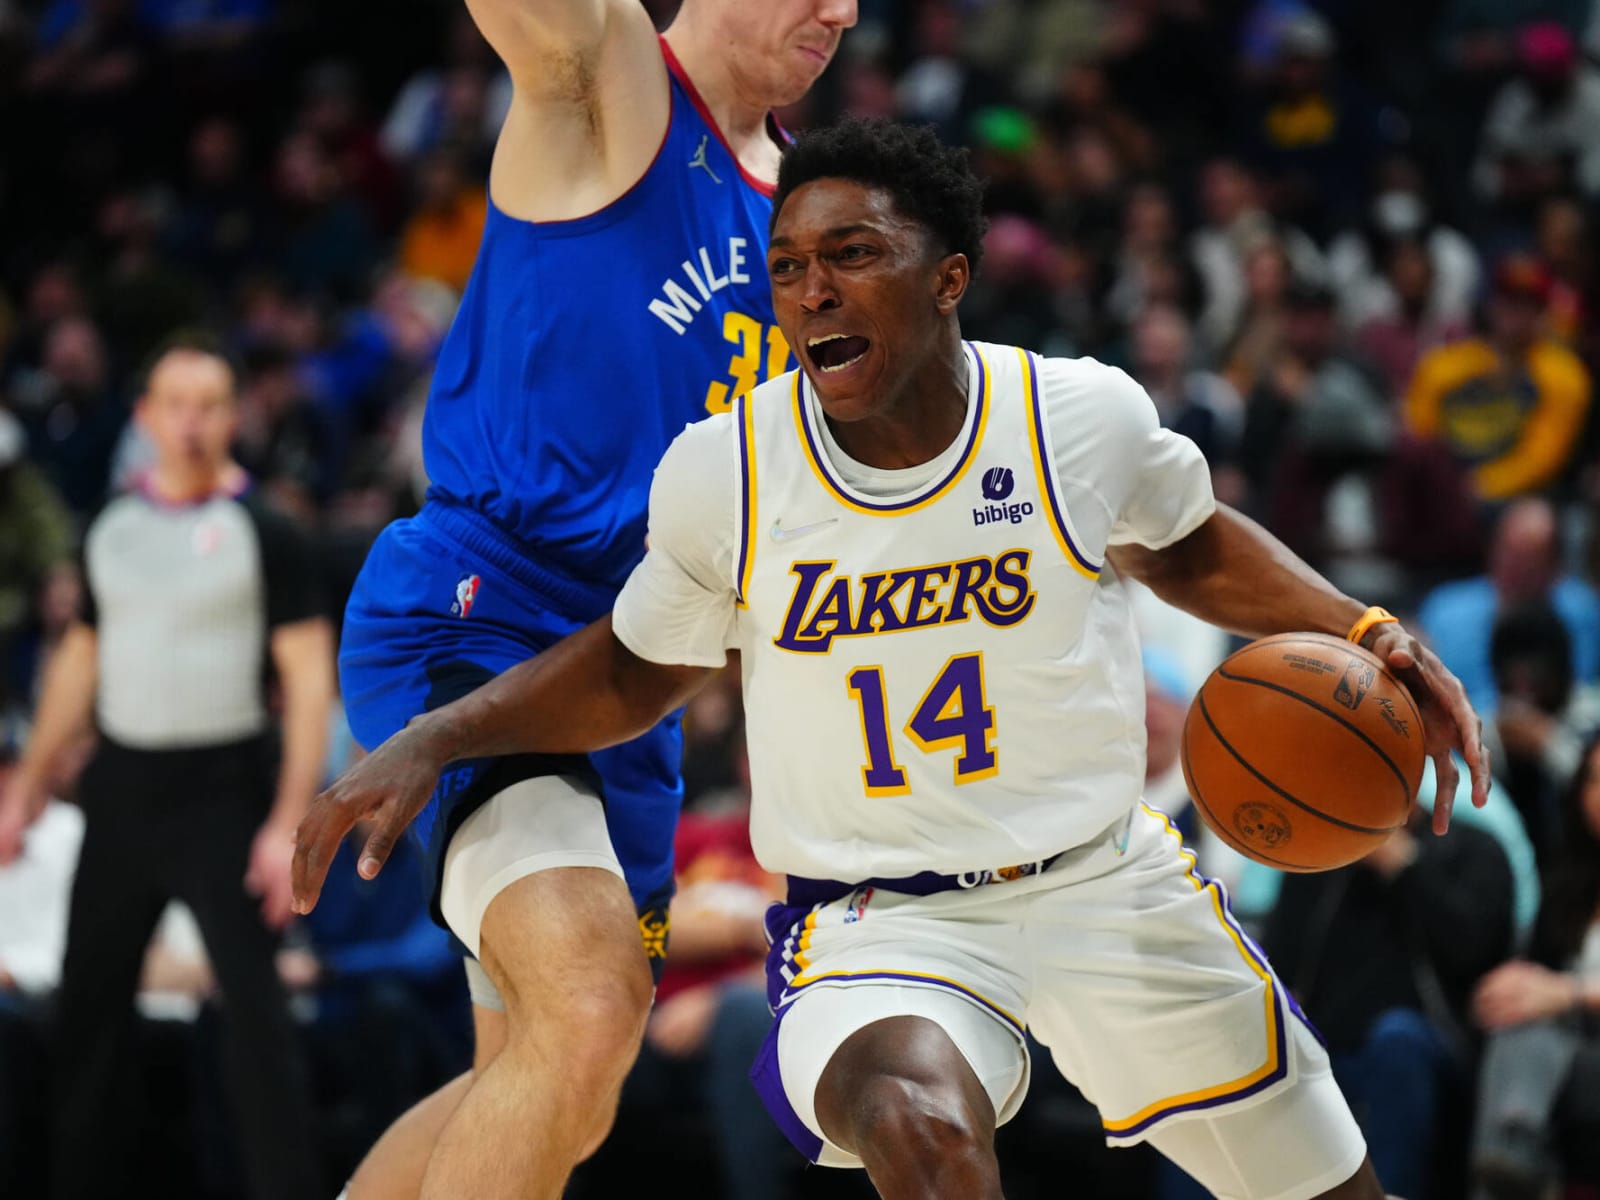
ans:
(466, 593)
(997, 483)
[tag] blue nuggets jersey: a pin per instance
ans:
(583, 347)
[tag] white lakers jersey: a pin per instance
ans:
(940, 671)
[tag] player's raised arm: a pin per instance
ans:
(1233, 573)
(587, 692)
(591, 101)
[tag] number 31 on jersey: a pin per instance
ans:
(756, 342)
(952, 713)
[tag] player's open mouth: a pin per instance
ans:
(836, 351)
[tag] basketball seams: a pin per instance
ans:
(1217, 828)
(1400, 775)
(1200, 704)
(1332, 642)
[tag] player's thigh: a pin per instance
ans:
(816, 1030)
(1152, 999)
(1299, 1144)
(954, 958)
(533, 825)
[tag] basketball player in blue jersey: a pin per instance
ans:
(619, 294)
(911, 505)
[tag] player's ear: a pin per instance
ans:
(951, 282)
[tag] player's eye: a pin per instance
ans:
(855, 252)
(782, 266)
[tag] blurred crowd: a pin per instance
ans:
(1347, 246)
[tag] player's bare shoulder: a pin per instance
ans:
(590, 107)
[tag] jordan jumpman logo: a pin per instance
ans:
(699, 159)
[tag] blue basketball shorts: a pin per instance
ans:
(445, 602)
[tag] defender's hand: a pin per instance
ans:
(388, 787)
(1449, 722)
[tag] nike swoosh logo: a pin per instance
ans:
(779, 534)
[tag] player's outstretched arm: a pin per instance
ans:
(586, 692)
(536, 37)
(1233, 573)
(590, 102)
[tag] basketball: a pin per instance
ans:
(1303, 751)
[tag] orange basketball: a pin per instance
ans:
(1303, 751)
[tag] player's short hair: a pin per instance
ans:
(931, 183)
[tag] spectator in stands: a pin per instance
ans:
(440, 241)
(1311, 133)
(1540, 1089)
(1257, 340)
(333, 113)
(72, 416)
(1311, 364)
(1395, 340)
(1371, 507)
(221, 225)
(1401, 214)
(1524, 566)
(1511, 403)
(1233, 222)
(464, 100)
(1383, 955)
(1537, 735)
(1542, 134)
(1189, 399)
(37, 538)
(142, 295)
(1563, 242)
(325, 241)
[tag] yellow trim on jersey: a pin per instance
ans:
(801, 981)
(802, 418)
(1048, 497)
(747, 454)
(804, 943)
(1244, 1081)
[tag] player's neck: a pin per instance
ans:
(921, 420)
(741, 118)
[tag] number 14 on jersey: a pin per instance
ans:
(952, 713)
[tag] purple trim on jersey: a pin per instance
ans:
(821, 459)
(768, 1081)
(746, 529)
(1048, 467)
(807, 893)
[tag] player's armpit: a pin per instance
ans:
(552, 47)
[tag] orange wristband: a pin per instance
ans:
(1373, 616)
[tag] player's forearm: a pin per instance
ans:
(65, 703)
(1234, 574)
(585, 693)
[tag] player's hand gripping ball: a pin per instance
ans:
(1303, 751)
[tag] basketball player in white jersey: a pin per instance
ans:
(915, 543)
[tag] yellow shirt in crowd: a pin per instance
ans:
(1518, 424)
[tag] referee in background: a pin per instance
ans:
(196, 594)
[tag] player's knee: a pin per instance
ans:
(592, 1031)
(914, 1121)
